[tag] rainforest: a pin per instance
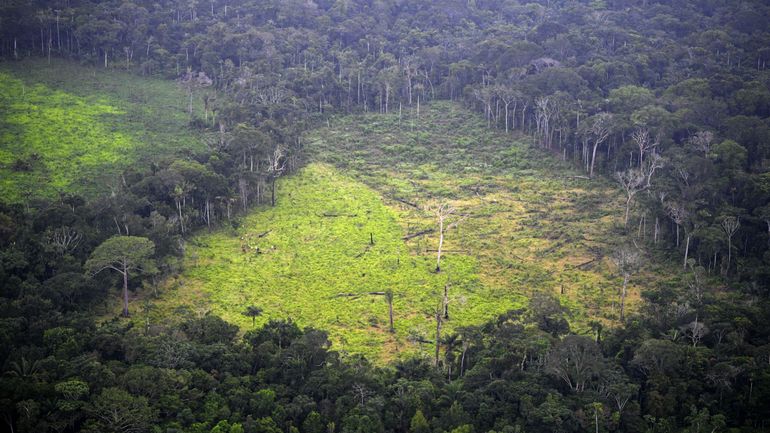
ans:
(385, 216)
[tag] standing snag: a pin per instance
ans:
(730, 225)
(389, 300)
(276, 167)
(444, 213)
(641, 137)
(681, 216)
(438, 315)
(632, 181)
(628, 260)
(599, 131)
(64, 239)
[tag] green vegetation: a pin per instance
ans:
(531, 225)
(535, 224)
(310, 258)
(73, 129)
(595, 173)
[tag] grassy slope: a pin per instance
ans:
(65, 127)
(535, 221)
(308, 258)
(533, 225)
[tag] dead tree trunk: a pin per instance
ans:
(446, 301)
(389, 299)
(438, 334)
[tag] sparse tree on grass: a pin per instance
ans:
(632, 181)
(438, 314)
(447, 218)
(446, 301)
(190, 81)
(641, 137)
(628, 260)
(389, 299)
(635, 180)
(253, 312)
(123, 254)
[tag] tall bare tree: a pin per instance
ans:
(276, 167)
(681, 216)
(641, 137)
(447, 218)
(599, 130)
(730, 226)
(695, 331)
(438, 315)
(628, 261)
(544, 110)
(389, 299)
(635, 180)
(509, 97)
(632, 181)
(64, 239)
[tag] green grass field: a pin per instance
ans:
(70, 128)
(305, 258)
(532, 224)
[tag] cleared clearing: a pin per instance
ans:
(532, 224)
(66, 128)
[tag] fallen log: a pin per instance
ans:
(414, 235)
(336, 215)
(263, 234)
(356, 295)
(408, 203)
(584, 264)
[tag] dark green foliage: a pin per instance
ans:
(694, 74)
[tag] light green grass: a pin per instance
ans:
(533, 224)
(535, 219)
(69, 128)
(315, 252)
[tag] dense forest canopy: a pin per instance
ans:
(668, 99)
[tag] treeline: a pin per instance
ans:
(674, 89)
(521, 372)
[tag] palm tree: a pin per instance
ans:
(253, 312)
